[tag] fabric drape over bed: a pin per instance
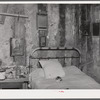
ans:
(74, 79)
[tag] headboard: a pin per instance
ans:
(55, 49)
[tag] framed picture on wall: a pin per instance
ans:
(96, 29)
(16, 46)
(41, 21)
(42, 41)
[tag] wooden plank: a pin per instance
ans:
(76, 62)
(15, 80)
(14, 15)
(62, 9)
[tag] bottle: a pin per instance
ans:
(2, 74)
(18, 71)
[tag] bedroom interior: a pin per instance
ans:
(49, 46)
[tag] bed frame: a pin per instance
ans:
(54, 49)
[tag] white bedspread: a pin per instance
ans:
(74, 79)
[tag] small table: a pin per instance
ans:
(20, 83)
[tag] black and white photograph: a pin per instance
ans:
(49, 46)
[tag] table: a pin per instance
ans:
(20, 83)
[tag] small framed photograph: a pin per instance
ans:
(16, 46)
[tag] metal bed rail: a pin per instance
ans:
(54, 49)
(31, 56)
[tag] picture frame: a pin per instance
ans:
(42, 41)
(42, 21)
(16, 46)
(96, 29)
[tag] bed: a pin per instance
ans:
(73, 77)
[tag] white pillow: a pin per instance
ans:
(52, 68)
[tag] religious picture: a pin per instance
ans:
(17, 46)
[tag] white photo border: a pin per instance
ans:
(49, 94)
